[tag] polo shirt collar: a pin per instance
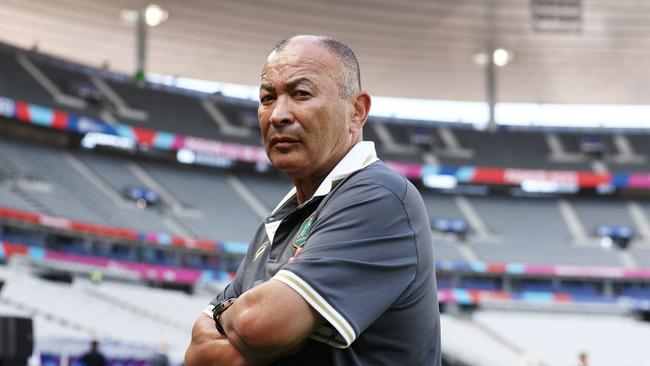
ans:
(360, 156)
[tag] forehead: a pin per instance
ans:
(301, 59)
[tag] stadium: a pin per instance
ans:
(133, 176)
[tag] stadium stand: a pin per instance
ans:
(642, 256)
(210, 193)
(11, 199)
(505, 231)
(167, 112)
(602, 211)
(513, 149)
(545, 254)
(530, 150)
(593, 333)
(500, 214)
(68, 193)
(74, 84)
(488, 350)
(268, 189)
(15, 82)
(163, 304)
(56, 310)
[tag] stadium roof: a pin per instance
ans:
(589, 51)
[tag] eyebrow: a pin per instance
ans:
(267, 87)
(290, 85)
(293, 83)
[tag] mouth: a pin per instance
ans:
(283, 142)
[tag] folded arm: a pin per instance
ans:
(266, 323)
(208, 347)
(269, 321)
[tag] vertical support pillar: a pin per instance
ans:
(491, 83)
(141, 47)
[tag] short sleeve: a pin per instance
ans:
(233, 289)
(357, 261)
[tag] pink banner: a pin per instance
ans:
(160, 273)
(130, 269)
(516, 176)
(76, 258)
(106, 231)
(409, 170)
(639, 180)
(539, 269)
(246, 153)
(588, 271)
(637, 273)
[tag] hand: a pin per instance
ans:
(208, 347)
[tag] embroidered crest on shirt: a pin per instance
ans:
(302, 234)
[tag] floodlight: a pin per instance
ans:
(155, 15)
(501, 57)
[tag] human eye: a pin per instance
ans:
(266, 98)
(302, 94)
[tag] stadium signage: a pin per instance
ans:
(83, 124)
(56, 222)
(114, 268)
(112, 232)
(543, 270)
(589, 272)
(186, 156)
(518, 176)
(409, 170)
(203, 148)
(245, 153)
(537, 180)
(7, 107)
(94, 139)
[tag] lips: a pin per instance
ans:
(283, 141)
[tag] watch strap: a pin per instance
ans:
(218, 310)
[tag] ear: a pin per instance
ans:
(361, 109)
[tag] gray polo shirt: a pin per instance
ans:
(366, 266)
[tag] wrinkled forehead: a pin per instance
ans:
(302, 58)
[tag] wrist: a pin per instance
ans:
(218, 311)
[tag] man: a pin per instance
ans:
(341, 272)
(93, 357)
(583, 359)
(159, 357)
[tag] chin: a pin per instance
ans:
(291, 161)
(283, 162)
(289, 166)
(289, 169)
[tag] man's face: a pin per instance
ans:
(304, 121)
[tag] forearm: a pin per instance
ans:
(208, 347)
(269, 322)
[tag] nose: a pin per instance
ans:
(281, 113)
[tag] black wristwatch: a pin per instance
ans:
(218, 310)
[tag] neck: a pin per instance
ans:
(305, 188)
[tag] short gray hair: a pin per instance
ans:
(351, 78)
